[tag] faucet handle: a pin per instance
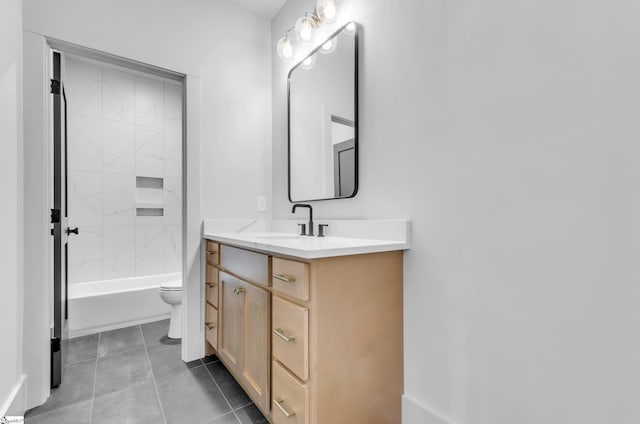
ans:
(321, 228)
(303, 229)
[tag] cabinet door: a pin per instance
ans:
(255, 367)
(230, 321)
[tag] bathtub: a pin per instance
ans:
(107, 305)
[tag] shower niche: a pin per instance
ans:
(149, 196)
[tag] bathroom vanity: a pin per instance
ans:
(310, 327)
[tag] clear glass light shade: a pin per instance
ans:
(285, 48)
(327, 10)
(304, 29)
(309, 62)
(329, 46)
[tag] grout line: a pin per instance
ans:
(244, 406)
(153, 377)
(221, 392)
(95, 378)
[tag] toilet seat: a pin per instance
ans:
(173, 285)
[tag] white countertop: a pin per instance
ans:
(268, 236)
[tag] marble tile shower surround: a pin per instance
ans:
(121, 125)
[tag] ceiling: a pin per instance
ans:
(265, 8)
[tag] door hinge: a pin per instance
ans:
(55, 344)
(55, 216)
(55, 86)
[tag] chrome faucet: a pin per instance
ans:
(302, 205)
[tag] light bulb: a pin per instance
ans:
(327, 10)
(308, 62)
(304, 29)
(329, 46)
(285, 48)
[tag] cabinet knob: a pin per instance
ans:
(210, 325)
(212, 285)
(238, 291)
(287, 413)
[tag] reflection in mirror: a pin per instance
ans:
(323, 131)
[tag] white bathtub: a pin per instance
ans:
(106, 305)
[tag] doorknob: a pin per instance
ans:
(72, 230)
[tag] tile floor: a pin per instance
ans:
(135, 375)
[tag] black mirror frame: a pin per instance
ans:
(355, 111)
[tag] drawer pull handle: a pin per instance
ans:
(212, 285)
(211, 253)
(284, 410)
(284, 278)
(238, 291)
(278, 332)
(210, 325)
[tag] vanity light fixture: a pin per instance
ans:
(325, 12)
(285, 46)
(305, 27)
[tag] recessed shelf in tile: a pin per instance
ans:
(149, 190)
(149, 212)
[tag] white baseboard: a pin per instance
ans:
(16, 403)
(413, 412)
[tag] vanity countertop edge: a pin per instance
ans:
(267, 240)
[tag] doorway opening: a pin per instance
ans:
(117, 224)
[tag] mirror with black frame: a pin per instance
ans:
(323, 120)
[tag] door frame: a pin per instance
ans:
(38, 198)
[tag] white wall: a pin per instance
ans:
(507, 131)
(122, 125)
(10, 175)
(224, 52)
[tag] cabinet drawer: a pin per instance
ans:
(213, 253)
(211, 285)
(211, 326)
(290, 398)
(251, 266)
(290, 336)
(291, 278)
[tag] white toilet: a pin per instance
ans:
(171, 293)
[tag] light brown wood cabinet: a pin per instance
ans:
(244, 335)
(313, 341)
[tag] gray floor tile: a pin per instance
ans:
(230, 418)
(81, 348)
(229, 386)
(121, 370)
(78, 413)
(137, 404)
(116, 341)
(156, 332)
(77, 386)
(251, 415)
(191, 397)
(166, 360)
